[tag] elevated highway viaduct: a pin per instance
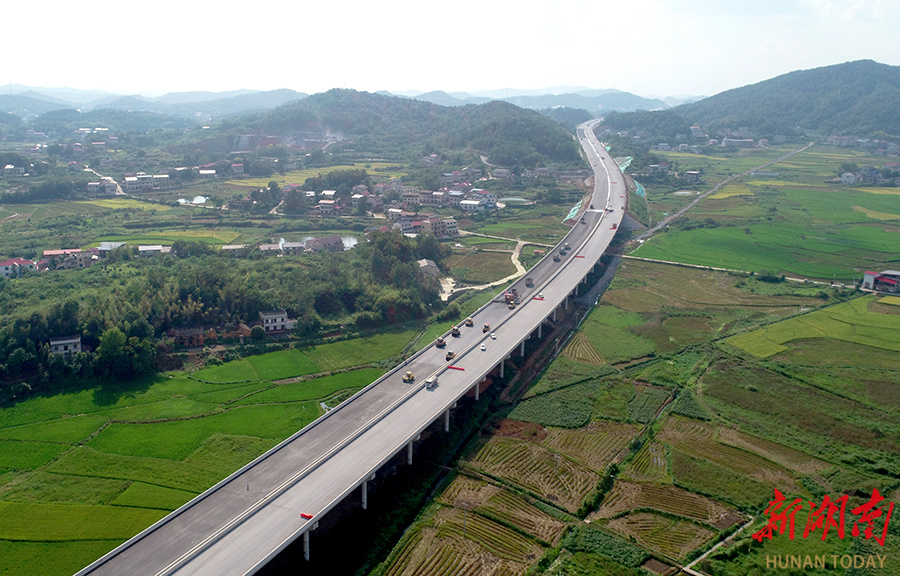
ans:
(241, 523)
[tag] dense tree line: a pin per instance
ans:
(132, 303)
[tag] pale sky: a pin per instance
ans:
(648, 47)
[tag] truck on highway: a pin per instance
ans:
(556, 257)
(431, 382)
(511, 297)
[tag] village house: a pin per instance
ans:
(153, 250)
(16, 267)
(65, 346)
(429, 268)
(276, 321)
(234, 250)
(187, 337)
(885, 281)
(333, 243)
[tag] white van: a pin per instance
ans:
(431, 382)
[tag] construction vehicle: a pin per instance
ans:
(440, 343)
(408, 377)
(614, 226)
(469, 321)
(556, 257)
(511, 304)
(529, 282)
(511, 296)
(450, 356)
(487, 328)
(454, 331)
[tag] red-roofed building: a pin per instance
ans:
(15, 267)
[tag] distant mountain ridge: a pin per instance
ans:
(194, 105)
(506, 133)
(595, 102)
(860, 97)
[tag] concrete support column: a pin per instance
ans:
(365, 494)
(306, 545)
(522, 349)
(554, 314)
(540, 326)
(409, 453)
(447, 420)
(477, 389)
(566, 303)
(502, 366)
(577, 286)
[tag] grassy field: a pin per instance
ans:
(378, 170)
(480, 267)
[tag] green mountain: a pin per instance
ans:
(506, 133)
(860, 98)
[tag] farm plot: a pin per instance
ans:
(696, 439)
(596, 445)
(481, 267)
(544, 473)
(779, 453)
(627, 496)
(816, 421)
(672, 538)
(495, 502)
(849, 321)
(580, 349)
(646, 402)
(439, 550)
(650, 464)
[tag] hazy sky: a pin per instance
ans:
(649, 47)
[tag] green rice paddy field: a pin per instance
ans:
(84, 470)
(797, 222)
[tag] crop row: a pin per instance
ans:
(674, 538)
(596, 445)
(493, 537)
(537, 469)
(650, 463)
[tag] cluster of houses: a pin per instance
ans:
(73, 258)
(283, 248)
(273, 322)
(879, 147)
(873, 176)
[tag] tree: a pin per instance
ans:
(257, 333)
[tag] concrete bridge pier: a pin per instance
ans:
(566, 303)
(540, 326)
(447, 420)
(409, 453)
(306, 541)
(522, 349)
(554, 315)
(365, 491)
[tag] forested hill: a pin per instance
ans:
(506, 133)
(860, 98)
